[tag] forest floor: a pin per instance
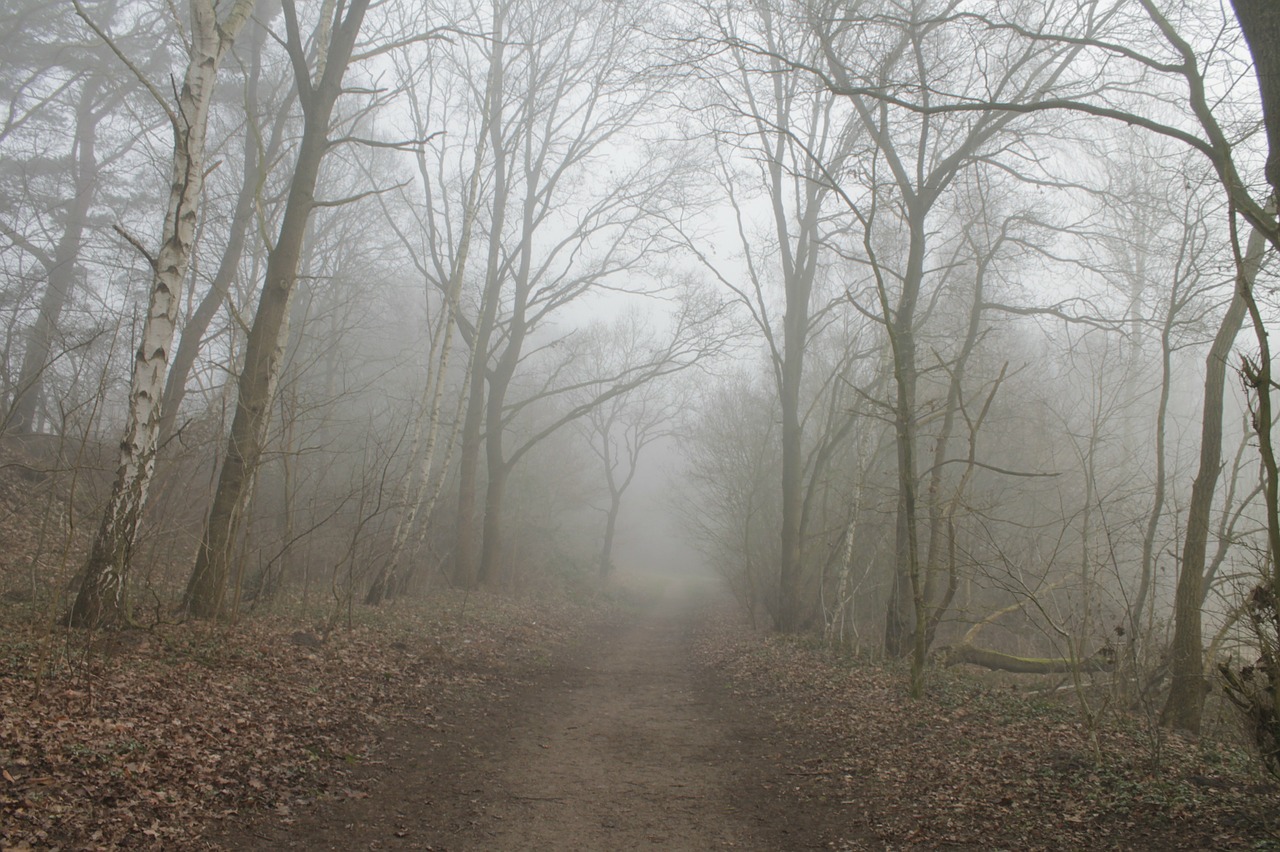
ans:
(622, 742)
(523, 724)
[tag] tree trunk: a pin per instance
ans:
(267, 336)
(1161, 476)
(610, 531)
(466, 558)
(1260, 23)
(955, 390)
(188, 349)
(421, 500)
(1103, 661)
(491, 548)
(798, 268)
(390, 578)
(789, 575)
(499, 469)
(1182, 709)
(101, 600)
(22, 415)
(902, 617)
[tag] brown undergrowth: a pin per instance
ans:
(140, 739)
(978, 766)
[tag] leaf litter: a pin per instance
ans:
(974, 765)
(141, 740)
(151, 739)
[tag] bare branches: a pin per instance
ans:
(42, 257)
(360, 196)
(1057, 311)
(994, 468)
(137, 244)
(161, 100)
(412, 145)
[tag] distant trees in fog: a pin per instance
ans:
(383, 293)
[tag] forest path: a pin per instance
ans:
(625, 743)
(635, 751)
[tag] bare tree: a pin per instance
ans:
(60, 265)
(261, 147)
(731, 508)
(776, 131)
(923, 153)
(101, 599)
(438, 237)
(318, 75)
(693, 334)
(64, 153)
(1185, 703)
(561, 89)
(620, 429)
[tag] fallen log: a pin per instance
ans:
(1102, 661)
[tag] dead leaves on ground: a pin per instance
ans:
(137, 743)
(973, 766)
(146, 739)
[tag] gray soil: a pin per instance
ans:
(626, 743)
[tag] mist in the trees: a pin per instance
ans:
(937, 329)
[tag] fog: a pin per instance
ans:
(653, 540)
(894, 318)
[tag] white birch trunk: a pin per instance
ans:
(437, 365)
(101, 600)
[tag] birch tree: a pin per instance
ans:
(102, 596)
(438, 235)
(261, 147)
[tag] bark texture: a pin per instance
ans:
(1260, 22)
(101, 599)
(201, 318)
(1183, 707)
(206, 589)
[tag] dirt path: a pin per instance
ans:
(627, 744)
(634, 753)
